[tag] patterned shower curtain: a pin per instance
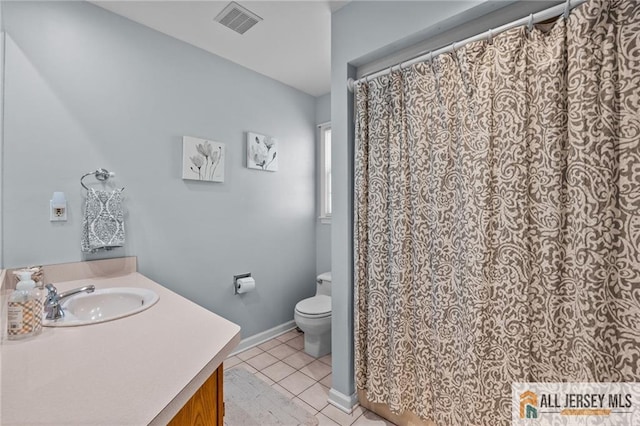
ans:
(497, 218)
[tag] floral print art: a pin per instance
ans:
(262, 152)
(202, 159)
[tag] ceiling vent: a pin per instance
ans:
(238, 18)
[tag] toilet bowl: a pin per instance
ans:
(313, 317)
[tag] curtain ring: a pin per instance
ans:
(530, 23)
(491, 36)
(454, 47)
(567, 9)
(431, 57)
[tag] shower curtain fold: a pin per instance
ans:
(496, 218)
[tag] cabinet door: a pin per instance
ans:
(206, 406)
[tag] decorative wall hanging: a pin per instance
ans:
(202, 159)
(262, 152)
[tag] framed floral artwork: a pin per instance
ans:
(202, 159)
(262, 152)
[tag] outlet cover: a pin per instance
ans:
(57, 212)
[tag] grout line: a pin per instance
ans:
(245, 360)
(361, 414)
(286, 376)
(313, 413)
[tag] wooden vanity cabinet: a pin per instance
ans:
(206, 406)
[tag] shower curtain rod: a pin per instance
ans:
(560, 9)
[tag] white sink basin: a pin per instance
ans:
(103, 305)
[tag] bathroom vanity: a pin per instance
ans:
(159, 366)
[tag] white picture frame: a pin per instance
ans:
(203, 159)
(262, 152)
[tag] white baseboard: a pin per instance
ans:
(260, 338)
(346, 403)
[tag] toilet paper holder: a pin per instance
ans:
(235, 281)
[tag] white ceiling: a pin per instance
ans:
(292, 44)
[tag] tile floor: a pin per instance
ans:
(282, 363)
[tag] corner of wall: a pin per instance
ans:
(346, 403)
(3, 295)
(323, 232)
(2, 42)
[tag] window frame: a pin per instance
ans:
(324, 189)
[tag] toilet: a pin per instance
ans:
(313, 316)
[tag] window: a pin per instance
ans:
(325, 173)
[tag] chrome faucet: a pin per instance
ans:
(52, 305)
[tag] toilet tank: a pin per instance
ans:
(323, 286)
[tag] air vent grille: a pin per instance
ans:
(238, 18)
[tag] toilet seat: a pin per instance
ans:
(314, 307)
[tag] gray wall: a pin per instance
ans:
(323, 230)
(86, 88)
(323, 109)
(365, 31)
(1, 128)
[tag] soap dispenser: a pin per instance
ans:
(21, 310)
(39, 297)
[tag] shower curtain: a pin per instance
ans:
(497, 218)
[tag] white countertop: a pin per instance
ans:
(136, 370)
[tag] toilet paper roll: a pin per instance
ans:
(245, 285)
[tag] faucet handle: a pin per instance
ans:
(51, 305)
(52, 293)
